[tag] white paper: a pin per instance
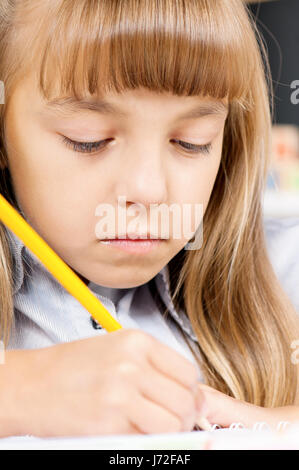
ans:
(197, 440)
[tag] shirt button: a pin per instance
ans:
(95, 324)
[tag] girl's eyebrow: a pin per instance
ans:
(69, 105)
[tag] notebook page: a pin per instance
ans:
(230, 439)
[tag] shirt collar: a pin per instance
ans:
(22, 256)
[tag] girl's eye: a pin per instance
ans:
(85, 147)
(205, 149)
(92, 147)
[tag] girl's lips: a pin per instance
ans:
(133, 246)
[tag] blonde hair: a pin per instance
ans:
(239, 312)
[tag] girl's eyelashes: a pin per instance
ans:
(205, 149)
(85, 147)
(93, 147)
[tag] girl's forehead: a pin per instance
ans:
(122, 105)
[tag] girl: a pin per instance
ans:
(163, 103)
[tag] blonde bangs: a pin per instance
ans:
(186, 48)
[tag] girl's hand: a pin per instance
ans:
(119, 383)
(221, 409)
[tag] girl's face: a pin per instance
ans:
(143, 157)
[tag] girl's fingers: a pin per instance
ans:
(221, 409)
(151, 418)
(170, 395)
(116, 423)
(174, 365)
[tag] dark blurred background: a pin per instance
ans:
(278, 20)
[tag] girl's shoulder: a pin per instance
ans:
(282, 238)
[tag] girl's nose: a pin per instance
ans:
(143, 179)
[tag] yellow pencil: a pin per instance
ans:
(60, 270)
